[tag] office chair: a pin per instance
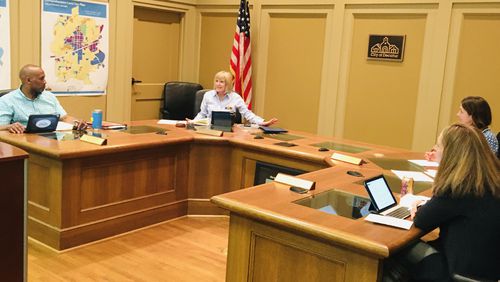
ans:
(498, 138)
(460, 278)
(178, 100)
(199, 98)
(5, 91)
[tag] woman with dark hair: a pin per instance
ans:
(465, 204)
(474, 111)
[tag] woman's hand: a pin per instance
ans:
(414, 207)
(431, 155)
(269, 122)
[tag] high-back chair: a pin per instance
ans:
(197, 100)
(498, 138)
(5, 91)
(178, 100)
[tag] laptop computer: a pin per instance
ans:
(221, 120)
(42, 123)
(383, 201)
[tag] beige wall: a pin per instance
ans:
(450, 53)
(295, 51)
(381, 92)
(478, 63)
(216, 41)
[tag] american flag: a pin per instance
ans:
(241, 61)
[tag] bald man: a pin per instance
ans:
(30, 99)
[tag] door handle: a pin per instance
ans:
(135, 81)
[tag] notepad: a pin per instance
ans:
(268, 129)
(391, 221)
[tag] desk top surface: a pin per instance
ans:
(242, 137)
(9, 153)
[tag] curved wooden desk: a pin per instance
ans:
(80, 192)
(272, 238)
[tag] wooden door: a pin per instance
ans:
(155, 59)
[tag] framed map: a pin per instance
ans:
(75, 44)
(4, 45)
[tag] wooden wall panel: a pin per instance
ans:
(216, 41)
(261, 252)
(294, 67)
(291, 263)
(209, 170)
(44, 202)
(151, 175)
(382, 96)
(478, 62)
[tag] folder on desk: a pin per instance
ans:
(111, 125)
(269, 130)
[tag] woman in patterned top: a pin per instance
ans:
(475, 111)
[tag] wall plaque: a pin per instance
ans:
(386, 47)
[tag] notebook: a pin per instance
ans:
(270, 130)
(42, 123)
(383, 201)
(221, 120)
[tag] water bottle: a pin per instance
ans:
(97, 119)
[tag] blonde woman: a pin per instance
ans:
(223, 98)
(465, 204)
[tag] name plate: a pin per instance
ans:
(294, 181)
(346, 158)
(208, 131)
(94, 139)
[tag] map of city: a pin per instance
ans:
(1, 52)
(75, 47)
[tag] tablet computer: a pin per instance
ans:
(42, 123)
(221, 120)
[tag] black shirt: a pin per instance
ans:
(469, 233)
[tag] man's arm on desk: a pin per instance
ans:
(78, 124)
(13, 128)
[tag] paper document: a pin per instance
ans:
(170, 121)
(204, 121)
(431, 172)
(62, 126)
(389, 220)
(416, 175)
(424, 163)
(408, 199)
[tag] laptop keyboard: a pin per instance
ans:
(401, 212)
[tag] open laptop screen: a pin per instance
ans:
(380, 193)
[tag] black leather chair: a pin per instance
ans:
(178, 100)
(498, 138)
(5, 91)
(460, 278)
(199, 98)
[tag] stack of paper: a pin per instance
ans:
(416, 175)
